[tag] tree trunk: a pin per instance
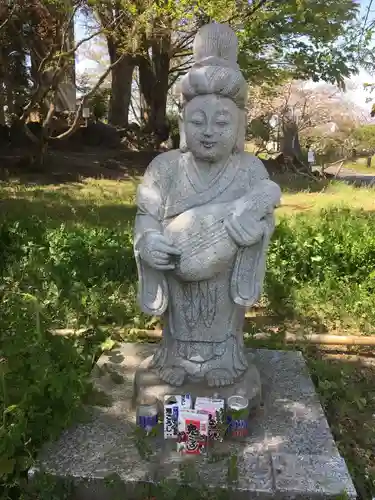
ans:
(290, 145)
(153, 83)
(121, 86)
(2, 104)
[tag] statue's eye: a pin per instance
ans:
(222, 119)
(197, 121)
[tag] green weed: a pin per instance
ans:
(82, 274)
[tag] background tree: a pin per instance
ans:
(285, 116)
(278, 41)
(15, 41)
(121, 43)
(47, 27)
(302, 40)
(364, 141)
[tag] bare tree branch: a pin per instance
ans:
(8, 18)
(67, 26)
(44, 87)
(249, 13)
(183, 44)
(84, 100)
(183, 67)
(50, 115)
(40, 94)
(368, 10)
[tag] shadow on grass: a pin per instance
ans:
(74, 166)
(290, 183)
(64, 209)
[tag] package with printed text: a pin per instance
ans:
(172, 407)
(214, 407)
(192, 432)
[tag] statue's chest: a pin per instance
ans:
(182, 194)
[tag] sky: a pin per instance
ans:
(359, 94)
(355, 90)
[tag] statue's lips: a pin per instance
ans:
(208, 144)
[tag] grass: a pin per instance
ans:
(92, 202)
(325, 195)
(66, 261)
(107, 203)
(360, 166)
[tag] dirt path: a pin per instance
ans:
(349, 175)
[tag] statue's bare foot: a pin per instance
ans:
(173, 375)
(219, 377)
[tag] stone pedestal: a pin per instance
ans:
(148, 383)
(290, 452)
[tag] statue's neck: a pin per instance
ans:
(208, 171)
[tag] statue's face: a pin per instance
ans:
(211, 127)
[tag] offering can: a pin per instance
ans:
(237, 416)
(147, 414)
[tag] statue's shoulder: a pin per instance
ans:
(253, 166)
(165, 160)
(162, 168)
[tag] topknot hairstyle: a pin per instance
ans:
(215, 70)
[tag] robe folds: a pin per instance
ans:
(209, 310)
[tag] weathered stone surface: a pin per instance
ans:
(148, 383)
(203, 225)
(311, 474)
(290, 452)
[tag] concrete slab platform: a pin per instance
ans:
(290, 452)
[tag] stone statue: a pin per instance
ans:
(203, 225)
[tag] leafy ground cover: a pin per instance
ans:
(66, 261)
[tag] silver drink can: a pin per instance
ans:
(147, 414)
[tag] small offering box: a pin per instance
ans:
(172, 407)
(215, 411)
(192, 432)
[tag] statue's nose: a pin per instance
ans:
(208, 131)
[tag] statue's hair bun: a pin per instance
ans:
(215, 70)
(216, 40)
(219, 80)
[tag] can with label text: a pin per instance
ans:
(237, 416)
(147, 414)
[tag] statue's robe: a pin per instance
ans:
(204, 311)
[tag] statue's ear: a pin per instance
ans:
(241, 132)
(181, 126)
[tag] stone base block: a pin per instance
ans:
(148, 383)
(290, 452)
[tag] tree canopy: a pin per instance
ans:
(300, 39)
(152, 41)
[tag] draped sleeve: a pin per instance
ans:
(151, 193)
(249, 269)
(250, 263)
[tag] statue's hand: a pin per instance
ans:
(244, 236)
(157, 251)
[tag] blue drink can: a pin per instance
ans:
(238, 416)
(147, 414)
